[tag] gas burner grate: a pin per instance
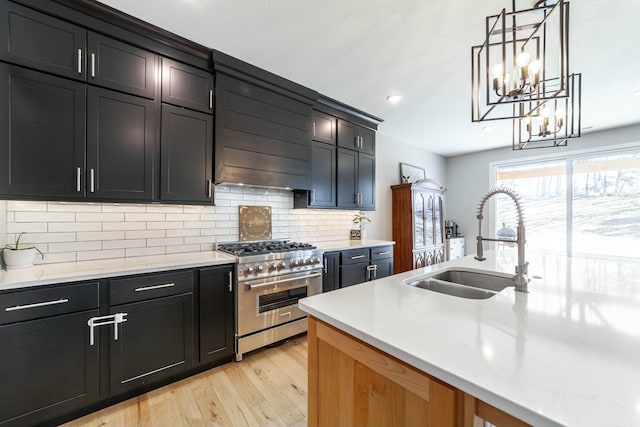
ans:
(255, 248)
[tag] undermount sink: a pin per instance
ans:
(464, 284)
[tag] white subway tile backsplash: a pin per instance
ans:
(88, 231)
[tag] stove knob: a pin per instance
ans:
(259, 269)
(282, 265)
(248, 270)
(307, 261)
(315, 260)
(292, 264)
(273, 266)
(300, 262)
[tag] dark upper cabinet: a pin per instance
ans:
(322, 175)
(331, 271)
(48, 365)
(323, 127)
(356, 180)
(42, 134)
(35, 40)
(216, 313)
(121, 66)
(355, 137)
(121, 134)
(262, 137)
(187, 86)
(186, 156)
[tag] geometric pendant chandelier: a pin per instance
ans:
(521, 72)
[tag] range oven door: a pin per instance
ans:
(268, 302)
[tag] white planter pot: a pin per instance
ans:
(19, 259)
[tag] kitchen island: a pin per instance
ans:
(564, 354)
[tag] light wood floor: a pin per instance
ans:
(268, 388)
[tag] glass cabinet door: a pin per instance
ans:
(418, 219)
(428, 218)
(437, 221)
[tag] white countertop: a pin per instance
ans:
(342, 245)
(567, 353)
(44, 274)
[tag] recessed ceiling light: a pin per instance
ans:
(489, 129)
(394, 98)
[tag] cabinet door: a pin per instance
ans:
(347, 135)
(186, 147)
(42, 134)
(353, 274)
(384, 268)
(367, 181)
(323, 175)
(39, 41)
(331, 272)
(154, 343)
(323, 127)
(367, 140)
(418, 219)
(216, 314)
(347, 178)
(122, 67)
(121, 133)
(429, 214)
(187, 86)
(438, 220)
(48, 368)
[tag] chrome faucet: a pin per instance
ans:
(520, 279)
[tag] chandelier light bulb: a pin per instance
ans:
(497, 70)
(523, 59)
(535, 66)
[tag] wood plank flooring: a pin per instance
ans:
(268, 388)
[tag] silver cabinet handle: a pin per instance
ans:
(357, 256)
(37, 304)
(357, 142)
(79, 61)
(151, 288)
(383, 253)
(287, 314)
(92, 180)
(78, 172)
(314, 128)
(230, 274)
(209, 188)
(211, 99)
(93, 65)
(326, 268)
(112, 319)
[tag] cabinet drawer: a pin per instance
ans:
(353, 256)
(45, 302)
(381, 252)
(187, 86)
(139, 288)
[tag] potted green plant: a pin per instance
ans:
(16, 256)
(359, 220)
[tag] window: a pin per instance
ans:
(597, 214)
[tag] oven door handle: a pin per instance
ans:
(249, 286)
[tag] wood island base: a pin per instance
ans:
(352, 383)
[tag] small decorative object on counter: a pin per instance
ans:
(15, 256)
(359, 220)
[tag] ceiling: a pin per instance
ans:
(360, 51)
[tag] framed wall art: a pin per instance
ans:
(410, 174)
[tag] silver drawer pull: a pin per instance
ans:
(383, 253)
(150, 288)
(37, 304)
(79, 61)
(287, 314)
(357, 257)
(259, 284)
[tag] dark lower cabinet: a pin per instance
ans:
(48, 368)
(121, 135)
(216, 314)
(154, 343)
(364, 264)
(42, 134)
(331, 272)
(353, 274)
(186, 156)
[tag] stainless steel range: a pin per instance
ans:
(272, 277)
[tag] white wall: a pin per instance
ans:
(468, 176)
(389, 154)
